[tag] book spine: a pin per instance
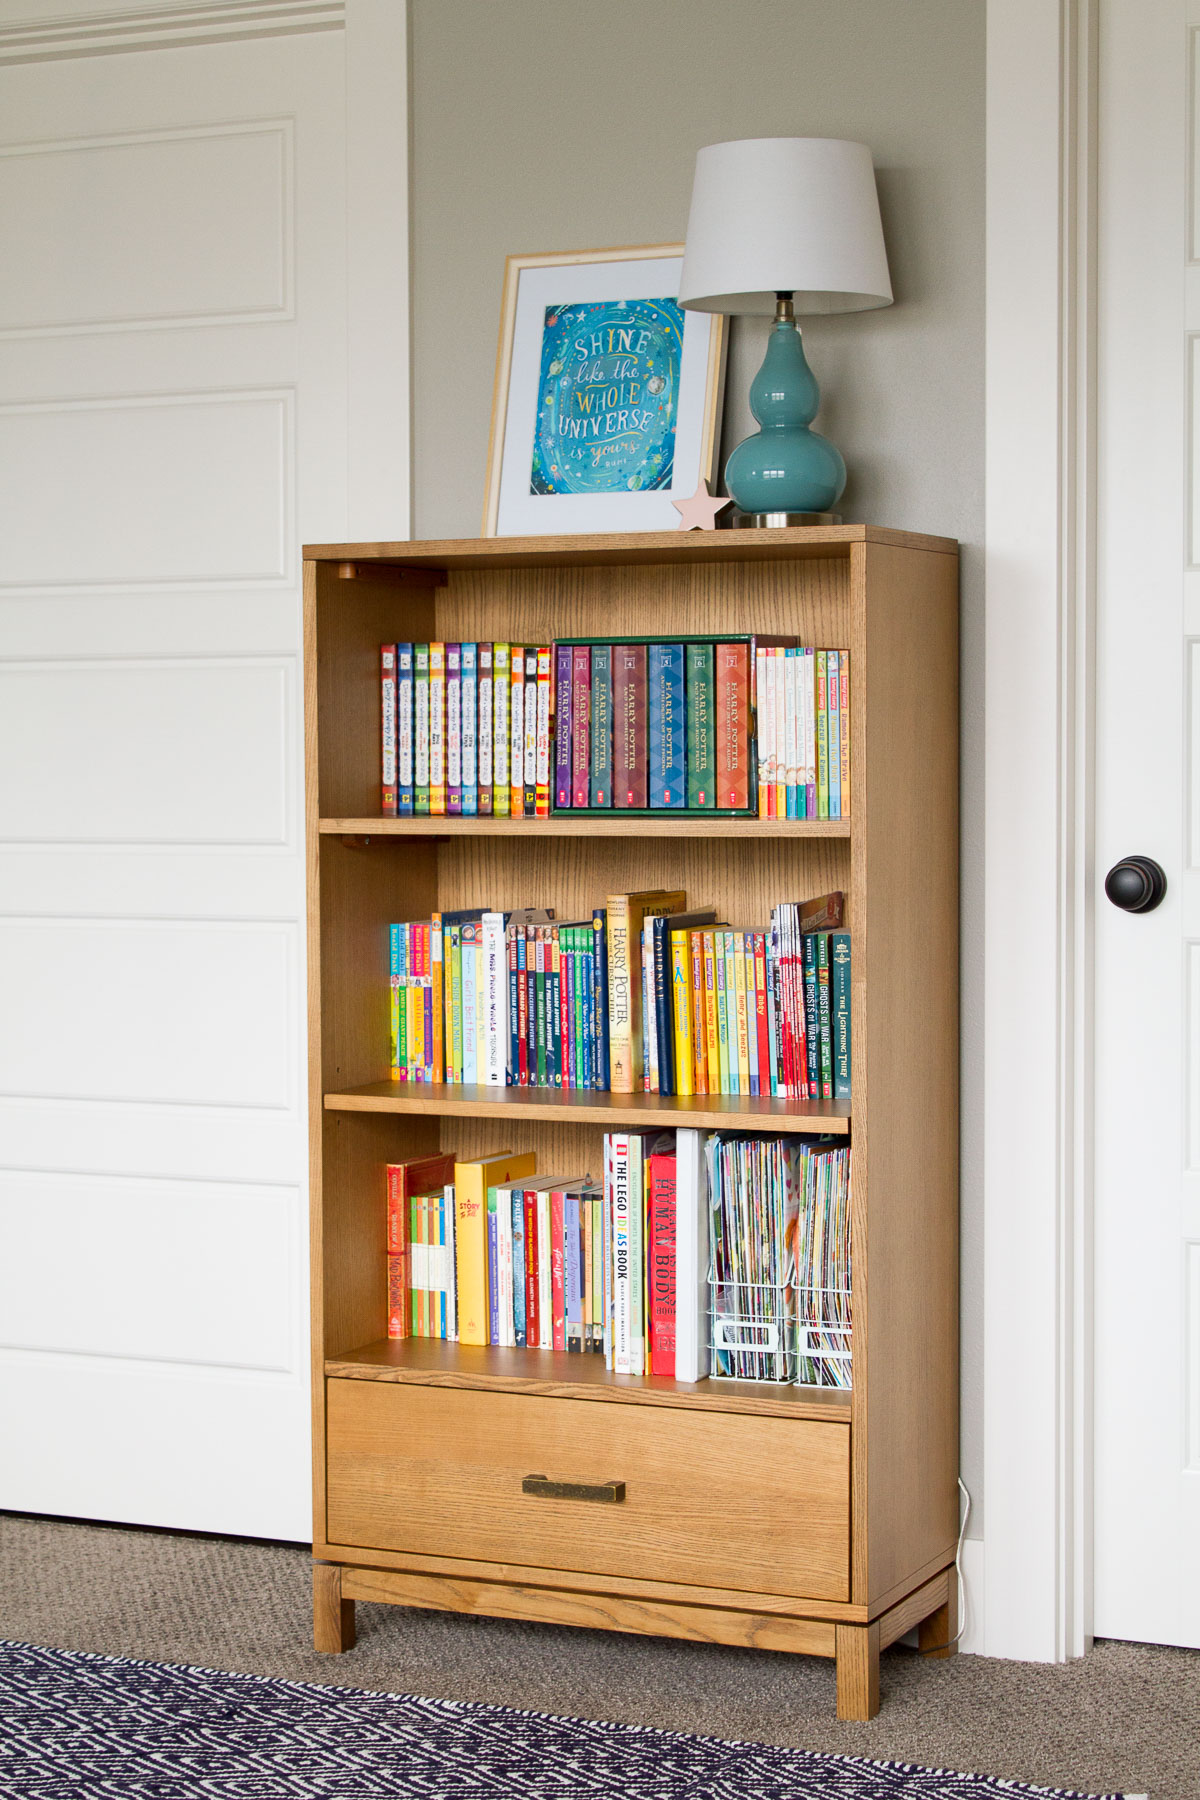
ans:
(387, 725)
(622, 1205)
(681, 1013)
(737, 977)
(469, 950)
(629, 725)
(437, 729)
(699, 1029)
(563, 725)
(545, 715)
(701, 768)
(485, 712)
(649, 1045)
(404, 730)
(602, 725)
(554, 1003)
(824, 1018)
(501, 688)
(572, 1275)
(470, 729)
(531, 731)
(470, 1228)
(493, 1033)
(545, 1274)
(833, 708)
(397, 1252)
(421, 728)
(711, 1014)
(533, 1322)
(558, 1295)
(516, 731)
(765, 1087)
(539, 1001)
(812, 1018)
(493, 1270)
(394, 1001)
(764, 714)
(531, 1023)
(662, 1260)
(505, 1284)
(437, 1001)
(585, 1258)
(516, 1201)
(666, 754)
(402, 1002)
(822, 737)
(450, 1258)
(600, 1069)
(839, 981)
(581, 706)
(663, 998)
(844, 699)
(731, 702)
(750, 973)
(521, 1011)
(637, 1254)
(624, 968)
(587, 988)
(790, 669)
(454, 729)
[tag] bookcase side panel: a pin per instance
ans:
(905, 1063)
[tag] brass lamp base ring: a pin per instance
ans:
(769, 520)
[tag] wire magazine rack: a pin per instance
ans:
(779, 1334)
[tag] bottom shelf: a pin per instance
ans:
(431, 1363)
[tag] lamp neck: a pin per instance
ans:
(784, 313)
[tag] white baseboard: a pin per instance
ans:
(970, 1599)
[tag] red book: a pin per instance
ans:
(581, 735)
(629, 724)
(533, 1322)
(558, 1296)
(731, 700)
(662, 1265)
(387, 718)
(424, 1175)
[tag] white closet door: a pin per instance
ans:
(173, 420)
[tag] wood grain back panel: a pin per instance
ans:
(717, 1499)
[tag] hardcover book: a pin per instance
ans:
(602, 725)
(486, 716)
(563, 725)
(701, 767)
(437, 729)
(501, 688)
(626, 914)
(470, 728)
(666, 726)
(387, 716)
(471, 1183)
(453, 729)
(581, 688)
(404, 730)
(731, 682)
(421, 728)
(629, 725)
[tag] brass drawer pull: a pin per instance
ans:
(609, 1493)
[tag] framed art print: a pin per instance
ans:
(608, 395)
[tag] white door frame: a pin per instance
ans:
(1039, 560)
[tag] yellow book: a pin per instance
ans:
(471, 1183)
(711, 1030)
(437, 728)
(415, 1023)
(681, 1001)
(626, 915)
(743, 988)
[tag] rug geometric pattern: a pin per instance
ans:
(75, 1726)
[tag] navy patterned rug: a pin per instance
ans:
(108, 1728)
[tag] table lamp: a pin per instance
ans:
(785, 225)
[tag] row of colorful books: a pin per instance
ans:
(687, 1257)
(641, 997)
(695, 724)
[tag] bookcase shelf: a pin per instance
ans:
(551, 1373)
(563, 825)
(711, 1112)
(821, 1521)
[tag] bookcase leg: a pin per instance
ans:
(333, 1617)
(857, 1671)
(936, 1635)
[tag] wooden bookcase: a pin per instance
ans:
(803, 1520)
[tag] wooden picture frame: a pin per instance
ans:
(607, 401)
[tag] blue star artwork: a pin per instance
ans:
(608, 397)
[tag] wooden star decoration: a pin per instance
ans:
(699, 511)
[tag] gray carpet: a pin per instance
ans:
(1127, 1717)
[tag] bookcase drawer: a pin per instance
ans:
(719, 1499)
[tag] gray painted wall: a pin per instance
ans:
(543, 126)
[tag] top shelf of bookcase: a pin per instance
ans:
(614, 550)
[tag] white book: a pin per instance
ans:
(404, 719)
(618, 1180)
(637, 1250)
(809, 697)
(516, 723)
(485, 720)
(454, 717)
(606, 1235)
(764, 684)
(545, 1286)
(691, 1257)
(421, 734)
(792, 665)
(493, 1030)
(531, 720)
(452, 1268)
(469, 706)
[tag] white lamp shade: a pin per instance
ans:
(784, 215)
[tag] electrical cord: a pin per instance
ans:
(962, 1532)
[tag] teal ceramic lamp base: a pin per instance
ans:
(785, 467)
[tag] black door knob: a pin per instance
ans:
(1136, 884)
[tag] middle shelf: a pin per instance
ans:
(713, 1112)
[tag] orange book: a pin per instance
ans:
(422, 1175)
